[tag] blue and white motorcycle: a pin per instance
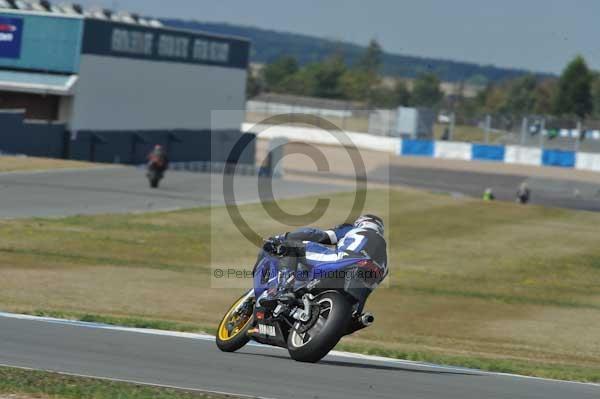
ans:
(307, 310)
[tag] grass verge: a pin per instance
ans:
(488, 285)
(510, 366)
(134, 322)
(36, 384)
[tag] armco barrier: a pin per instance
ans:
(482, 152)
(421, 148)
(564, 159)
(452, 150)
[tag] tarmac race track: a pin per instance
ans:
(125, 189)
(194, 362)
(545, 191)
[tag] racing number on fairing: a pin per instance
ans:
(353, 242)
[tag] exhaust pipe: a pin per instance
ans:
(367, 319)
(360, 322)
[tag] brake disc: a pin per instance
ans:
(315, 311)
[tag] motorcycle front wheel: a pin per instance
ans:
(311, 342)
(233, 329)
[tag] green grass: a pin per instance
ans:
(543, 370)
(134, 322)
(36, 384)
(472, 283)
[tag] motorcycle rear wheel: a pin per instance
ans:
(335, 312)
(154, 182)
(232, 334)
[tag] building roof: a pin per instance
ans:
(37, 83)
(67, 11)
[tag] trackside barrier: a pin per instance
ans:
(452, 150)
(420, 148)
(512, 154)
(320, 136)
(564, 159)
(587, 161)
(481, 152)
(523, 155)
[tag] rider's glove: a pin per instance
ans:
(273, 245)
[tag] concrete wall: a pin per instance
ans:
(130, 94)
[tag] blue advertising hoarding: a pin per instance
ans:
(41, 43)
(11, 35)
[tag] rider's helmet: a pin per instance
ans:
(158, 149)
(370, 222)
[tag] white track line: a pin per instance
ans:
(207, 337)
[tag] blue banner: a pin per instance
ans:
(422, 148)
(564, 159)
(481, 152)
(11, 36)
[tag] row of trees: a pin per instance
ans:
(334, 79)
(575, 93)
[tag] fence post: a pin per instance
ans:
(578, 138)
(524, 124)
(542, 128)
(488, 123)
(452, 126)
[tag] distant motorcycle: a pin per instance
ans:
(324, 306)
(155, 172)
(154, 175)
(157, 165)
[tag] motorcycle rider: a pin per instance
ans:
(157, 159)
(523, 194)
(364, 239)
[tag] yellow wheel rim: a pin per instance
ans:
(239, 322)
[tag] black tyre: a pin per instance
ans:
(233, 329)
(313, 343)
(154, 182)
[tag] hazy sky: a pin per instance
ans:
(540, 35)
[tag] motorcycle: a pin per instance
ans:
(321, 305)
(154, 173)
